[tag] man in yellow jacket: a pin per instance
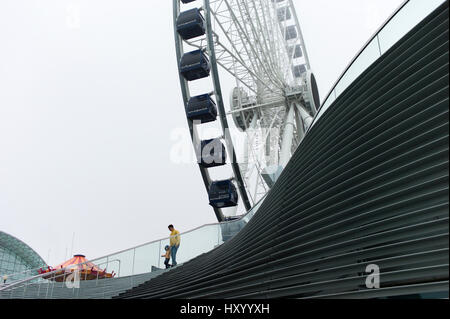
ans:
(174, 244)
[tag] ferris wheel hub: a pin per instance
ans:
(311, 92)
(242, 107)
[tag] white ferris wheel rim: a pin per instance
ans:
(253, 64)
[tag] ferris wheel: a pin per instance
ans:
(244, 68)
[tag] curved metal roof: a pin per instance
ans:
(18, 247)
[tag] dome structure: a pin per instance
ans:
(16, 256)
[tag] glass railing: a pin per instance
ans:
(403, 20)
(142, 259)
(147, 257)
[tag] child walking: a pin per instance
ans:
(167, 256)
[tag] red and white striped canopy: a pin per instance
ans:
(76, 260)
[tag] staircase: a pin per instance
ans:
(101, 289)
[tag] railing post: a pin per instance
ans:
(159, 256)
(218, 234)
(46, 293)
(24, 290)
(379, 46)
(132, 268)
(104, 288)
(53, 286)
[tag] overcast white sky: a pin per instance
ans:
(89, 98)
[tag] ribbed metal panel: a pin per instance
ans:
(368, 185)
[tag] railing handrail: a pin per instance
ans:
(358, 54)
(23, 272)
